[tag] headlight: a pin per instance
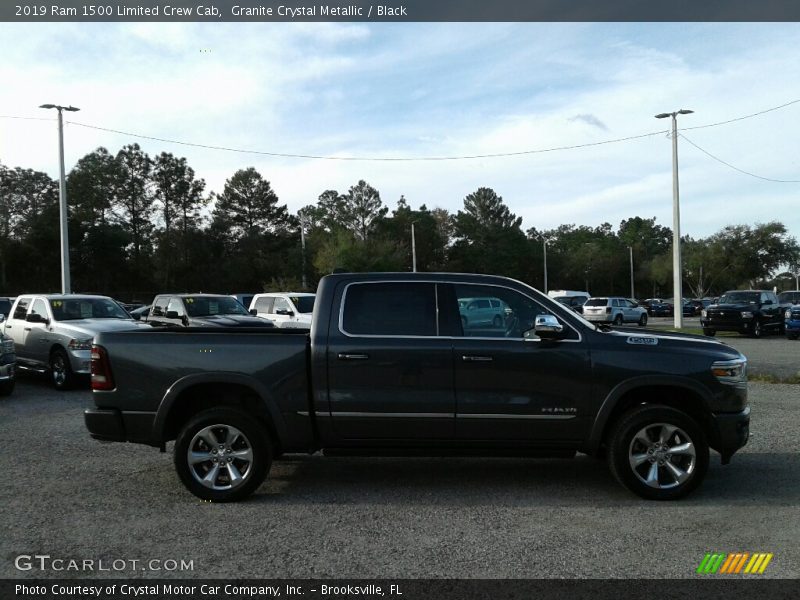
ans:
(703, 313)
(746, 314)
(80, 344)
(730, 372)
(788, 313)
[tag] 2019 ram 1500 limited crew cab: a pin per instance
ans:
(390, 367)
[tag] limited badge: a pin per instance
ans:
(643, 341)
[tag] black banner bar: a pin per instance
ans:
(705, 587)
(399, 11)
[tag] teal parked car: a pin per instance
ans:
(482, 312)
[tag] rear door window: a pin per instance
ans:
(390, 309)
(22, 308)
(264, 305)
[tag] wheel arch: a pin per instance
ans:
(194, 393)
(680, 393)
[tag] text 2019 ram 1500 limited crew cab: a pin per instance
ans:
(390, 367)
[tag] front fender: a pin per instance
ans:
(175, 390)
(621, 389)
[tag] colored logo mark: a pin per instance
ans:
(721, 563)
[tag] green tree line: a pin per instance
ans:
(141, 225)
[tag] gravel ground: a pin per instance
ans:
(771, 355)
(72, 497)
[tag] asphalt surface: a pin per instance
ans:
(71, 497)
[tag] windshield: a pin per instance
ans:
(740, 298)
(205, 306)
(304, 304)
(74, 309)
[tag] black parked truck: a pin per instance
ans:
(750, 312)
(390, 368)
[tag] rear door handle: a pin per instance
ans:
(476, 358)
(346, 356)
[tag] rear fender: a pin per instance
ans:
(177, 388)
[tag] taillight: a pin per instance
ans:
(101, 369)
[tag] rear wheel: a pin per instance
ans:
(222, 455)
(618, 320)
(709, 332)
(658, 452)
(643, 320)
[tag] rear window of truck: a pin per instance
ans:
(395, 308)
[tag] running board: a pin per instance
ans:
(39, 370)
(451, 452)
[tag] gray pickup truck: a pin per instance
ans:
(389, 367)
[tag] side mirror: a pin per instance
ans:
(172, 314)
(253, 312)
(547, 327)
(35, 318)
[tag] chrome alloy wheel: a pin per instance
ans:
(220, 457)
(662, 456)
(59, 370)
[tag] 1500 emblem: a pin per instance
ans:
(643, 341)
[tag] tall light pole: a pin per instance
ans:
(413, 249)
(303, 251)
(677, 279)
(630, 249)
(62, 196)
(545, 264)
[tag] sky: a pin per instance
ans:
(415, 90)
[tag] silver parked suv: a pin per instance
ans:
(615, 310)
(54, 332)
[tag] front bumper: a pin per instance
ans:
(731, 432)
(742, 326)
(113, 425)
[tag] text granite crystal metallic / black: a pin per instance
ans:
(407, 364)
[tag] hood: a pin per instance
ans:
(733, 307)
(667, 340)
(91, 327)
(229, 321)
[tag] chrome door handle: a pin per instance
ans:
(475, 358)
(345, 356)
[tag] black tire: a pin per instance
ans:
(791, 336)
(643, 320)
(617, 320)
(497, 321)
(6, 387)
(61, 374)
(709, 332)
(626, 446)
(241, 433)
(756, 330)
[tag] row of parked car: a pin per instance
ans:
(52, 333)
(750, 312)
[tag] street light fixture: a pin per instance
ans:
(677, 279)
(62, 197)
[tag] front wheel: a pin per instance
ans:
(222, 455)
(643, 320)
(6, 387)
(756, 331)
(658, 452)
(61, 370)
(709, 332)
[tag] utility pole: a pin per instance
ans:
(413, 249)
(677, 271)
(303, 246)
(545, 265)
(62, 197)
(633, 296)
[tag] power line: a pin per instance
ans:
(369, 158)
(707, 153)
(427, 158)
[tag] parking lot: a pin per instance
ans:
(68, 496)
